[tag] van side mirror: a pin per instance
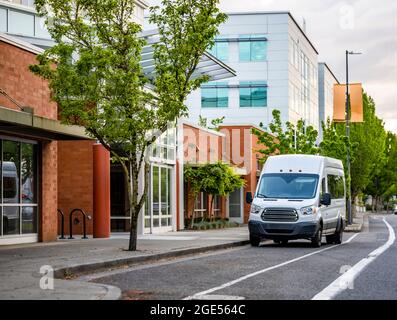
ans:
(248, 198)
(326, 199)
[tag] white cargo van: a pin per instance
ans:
(299, 197)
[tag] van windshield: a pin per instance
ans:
(288, 186)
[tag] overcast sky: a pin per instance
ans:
(366, 26)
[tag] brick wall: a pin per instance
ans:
(22, 85)
(201, 146)
(240, 150)
(49, 194)
(75, 182)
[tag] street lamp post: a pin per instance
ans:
(349, 200)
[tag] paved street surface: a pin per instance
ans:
(20, 264)
(294, 271)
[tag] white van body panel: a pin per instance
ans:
(329, 217)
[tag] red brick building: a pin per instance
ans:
(31, 142)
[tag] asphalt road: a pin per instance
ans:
(294, 271)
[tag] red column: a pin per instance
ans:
(101, 191)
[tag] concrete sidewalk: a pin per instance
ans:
(358, 223)
(20, 265)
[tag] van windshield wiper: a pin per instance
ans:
(261, 196)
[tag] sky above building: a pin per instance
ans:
(333, 26)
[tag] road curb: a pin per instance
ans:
(63, 273)
(357, 227)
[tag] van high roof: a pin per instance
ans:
(300, 164)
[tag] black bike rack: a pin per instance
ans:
(84, 223)
(62, 224)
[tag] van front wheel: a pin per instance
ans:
(316, 240)
(255, 241)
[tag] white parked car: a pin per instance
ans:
(299, 197)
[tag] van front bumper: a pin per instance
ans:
(274, 230)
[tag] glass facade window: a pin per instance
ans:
(215, 95)
(28, 3)
(220, 50)
(3, 20)
(253, 94)
(158, 211)
(20, 23)
(252, 48)
(164, 147)
(19, 198)
(336, 186)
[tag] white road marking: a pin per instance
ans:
(347, 279)
(248, 276)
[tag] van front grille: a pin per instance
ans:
(280, 215)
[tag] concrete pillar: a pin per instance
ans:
(101, 196)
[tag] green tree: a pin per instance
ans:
(367, 142)
(215, 123)
(192, 176)
(98, 81)
(216, 179)
(383, 183)
(288, 139)
(219, 179)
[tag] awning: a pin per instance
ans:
(29, 125)
(208, 65)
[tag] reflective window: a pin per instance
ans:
(28, 173)
(252, 48)
(11, 172)
(41, 29)
(288, 186)
(336, 186)
(253, 94)
(29, 3)
(21, 23)
(158, 208)
(29, 220)
(220, 50)
(215, 95)
(3, 20)
(164, 147)
(19, 199)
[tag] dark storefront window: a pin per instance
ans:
(18, 188)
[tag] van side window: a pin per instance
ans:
(336, 187)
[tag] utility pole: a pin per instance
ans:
(348, 156)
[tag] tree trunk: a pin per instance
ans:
(212, 215)
(193, 216)
(132, 246)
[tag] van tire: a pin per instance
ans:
(330, 239)
(316, 240)
(338, 236)
(255, 241)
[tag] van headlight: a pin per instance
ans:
(307, 211)
(256, 209)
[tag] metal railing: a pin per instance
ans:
(84, 223)
(62, 224)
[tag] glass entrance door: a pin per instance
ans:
(18, 190)
(158, 213)
(236, 206)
